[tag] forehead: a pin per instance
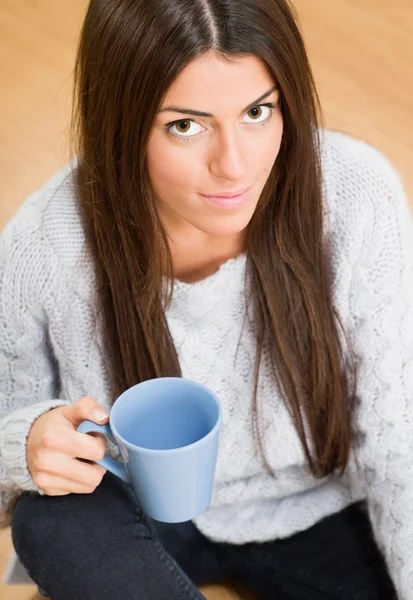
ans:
(210, 81)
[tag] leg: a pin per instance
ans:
(98, 546)
(335, 559)
(195, 554)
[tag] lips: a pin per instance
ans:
(230, 202)
(226, 194)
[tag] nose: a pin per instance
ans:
(229, 156)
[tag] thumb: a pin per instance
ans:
(85, 408)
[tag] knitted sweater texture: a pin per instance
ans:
(51, 355)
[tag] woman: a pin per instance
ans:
(292, 301)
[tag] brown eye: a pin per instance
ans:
(182, 126)
(255, 112)
(179, 129)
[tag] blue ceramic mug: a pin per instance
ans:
(167, 432)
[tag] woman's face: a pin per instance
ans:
(233, 149)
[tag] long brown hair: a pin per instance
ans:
(129, 54)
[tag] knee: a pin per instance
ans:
(53, 526)
(27, 524)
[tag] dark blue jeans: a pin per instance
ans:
(101, 546)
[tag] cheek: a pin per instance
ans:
(270, 150)
(170, 167)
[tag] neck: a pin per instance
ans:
(192, 263)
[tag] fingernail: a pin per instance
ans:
(99, 415)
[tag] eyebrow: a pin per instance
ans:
(198, 113)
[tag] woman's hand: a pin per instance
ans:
(54, 445)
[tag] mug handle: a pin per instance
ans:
(114, 466)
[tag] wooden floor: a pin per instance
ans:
(361, 52)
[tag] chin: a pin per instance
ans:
(226, 225)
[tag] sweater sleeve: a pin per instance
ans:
(382, 312)
(29, 382)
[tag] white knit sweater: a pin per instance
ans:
(50, 355)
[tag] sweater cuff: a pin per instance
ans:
(15, 436)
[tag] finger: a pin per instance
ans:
(57, 493)
(102, 436)
(60, 465)
(53, 485)
(85, 408)
(74, 444)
